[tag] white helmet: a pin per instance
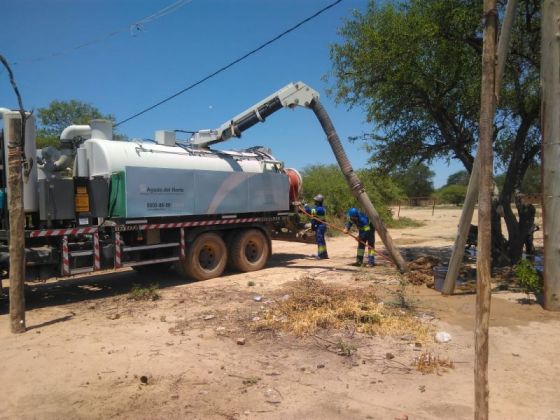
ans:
(318, 198)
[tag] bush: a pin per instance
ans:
(329, 181)
(452, 194)
(529, 278)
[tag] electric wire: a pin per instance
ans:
(134, 27)
(231, 64)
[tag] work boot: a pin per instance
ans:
(357, 264)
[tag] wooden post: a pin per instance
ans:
(550, 77)
(484, 259)
(13, 128)
(472, 190)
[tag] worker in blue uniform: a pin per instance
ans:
(318, 225)
(366, 234)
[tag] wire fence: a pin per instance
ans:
(433, 202)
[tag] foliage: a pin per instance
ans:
(531, 183)
(528, 277)
(414, 67)
(458, 178)
(404, 222)
(452, 194)
(329, 181)
(144, 293)
(416, 180)
(60, 114)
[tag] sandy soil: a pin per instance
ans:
(90, 352)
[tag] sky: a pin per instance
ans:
(92, 51)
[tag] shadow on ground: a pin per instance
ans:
(110, 284)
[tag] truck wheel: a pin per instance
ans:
(206, 258)
(249, 251)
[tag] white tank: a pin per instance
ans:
(105, 157)
(30, 193)
(164, 181)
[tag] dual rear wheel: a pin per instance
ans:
(207, 256)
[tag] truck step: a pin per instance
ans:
(144, 247)
(155, 261)
(81, 253)
(81, 270)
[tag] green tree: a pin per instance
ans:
(452, 194)
(458, 178)
(415, 181)
(532, 180)
(60, 114)
(415, 69)
(329, 181)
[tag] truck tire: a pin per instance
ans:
(206, 258)
(250, 251)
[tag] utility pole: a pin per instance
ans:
(14, 129)
(474, 180)
(484, 260)
(550, 71)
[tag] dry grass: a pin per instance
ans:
(312, 305)
(427, 362)
(144, 293)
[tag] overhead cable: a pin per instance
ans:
(133, 28)
(231, 64)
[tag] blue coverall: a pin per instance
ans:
(366, 234)
(320, 228)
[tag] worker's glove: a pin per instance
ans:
(308, 225)
(345, 230)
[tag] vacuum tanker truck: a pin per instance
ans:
(96, 203)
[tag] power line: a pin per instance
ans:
(133, 28)
(231, 64)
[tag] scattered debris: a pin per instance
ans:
(389, 356)
(113, 316)
(252, 380)
(241, 341)
(442, 337)
(421, 270)
(427, 362)
(251, 283)
(272, 396)
(209, 317)
(258, 298)
(144, 380)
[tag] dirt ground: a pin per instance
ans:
(90, 352)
